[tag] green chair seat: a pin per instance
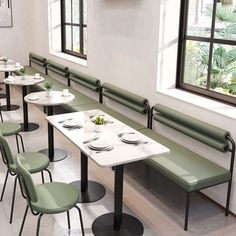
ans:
(34, 162)
(55, 198)
(187, 169)
(9, 128)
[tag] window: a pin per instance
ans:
(207, 48)
(74, 27)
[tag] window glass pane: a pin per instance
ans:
(85, 41)
(76, 39)
(225, 27)
(76, 6)
(85, 11)
(68, 10)
(196, 63)
(68, 37)
(199, 18)
(223, 72)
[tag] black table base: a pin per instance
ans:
(59, 154)
(93, 193)
(2, 95)
(10, 108)
(29, 127)
(103, 226)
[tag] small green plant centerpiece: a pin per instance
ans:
(22, 71)
(99, 124)
(48, 87)
(5, 60)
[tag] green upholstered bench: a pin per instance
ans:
(81, 100)
(189, 170)
(124, 97)
(37, 60)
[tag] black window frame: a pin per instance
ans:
(183, 37)
(81, 26)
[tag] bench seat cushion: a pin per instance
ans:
(187, 169)
(115, 114)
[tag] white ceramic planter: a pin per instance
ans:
(99, 128)
(49, 93)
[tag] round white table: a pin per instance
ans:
(25, 82)
(57, 98)
(8, 68)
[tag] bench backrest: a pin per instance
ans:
(126, 98)
(199, 130)
(41, 61)
(56, 68)
(84, 80)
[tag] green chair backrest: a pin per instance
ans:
(6, 150)
(28, 182)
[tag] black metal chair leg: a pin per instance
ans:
(13, 199)
(50, 175)
(3, 157)
(21, 189)
(68, 219)
(1, 116)
(228, 198)
(22, 143)
(186, 211)
(23, 222)
(4, 186)
(81, 220)
(38, 224)
(42, 177)
(17, 144)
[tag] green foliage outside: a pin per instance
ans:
(223, 64)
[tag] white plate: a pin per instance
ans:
(38, 78)
(66, 95)
(131, 138)
(9, 79)
(33, 98)
(71, 123)
(98, 145)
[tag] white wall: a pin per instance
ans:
(17, 41)
(131, 43)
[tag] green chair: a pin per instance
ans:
(11, 128)
(48, 198)
(34, 162)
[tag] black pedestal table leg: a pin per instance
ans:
(3, 95)
(50, 134)
(26, 126)
(8, 107)
(117, 223)
(55, 154)
(90, 191)
(8, 97)
(118, 198)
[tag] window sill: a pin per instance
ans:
(202, 102)
(67, 57)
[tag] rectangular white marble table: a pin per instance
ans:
(122, 153)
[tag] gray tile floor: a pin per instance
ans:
(151, 198)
